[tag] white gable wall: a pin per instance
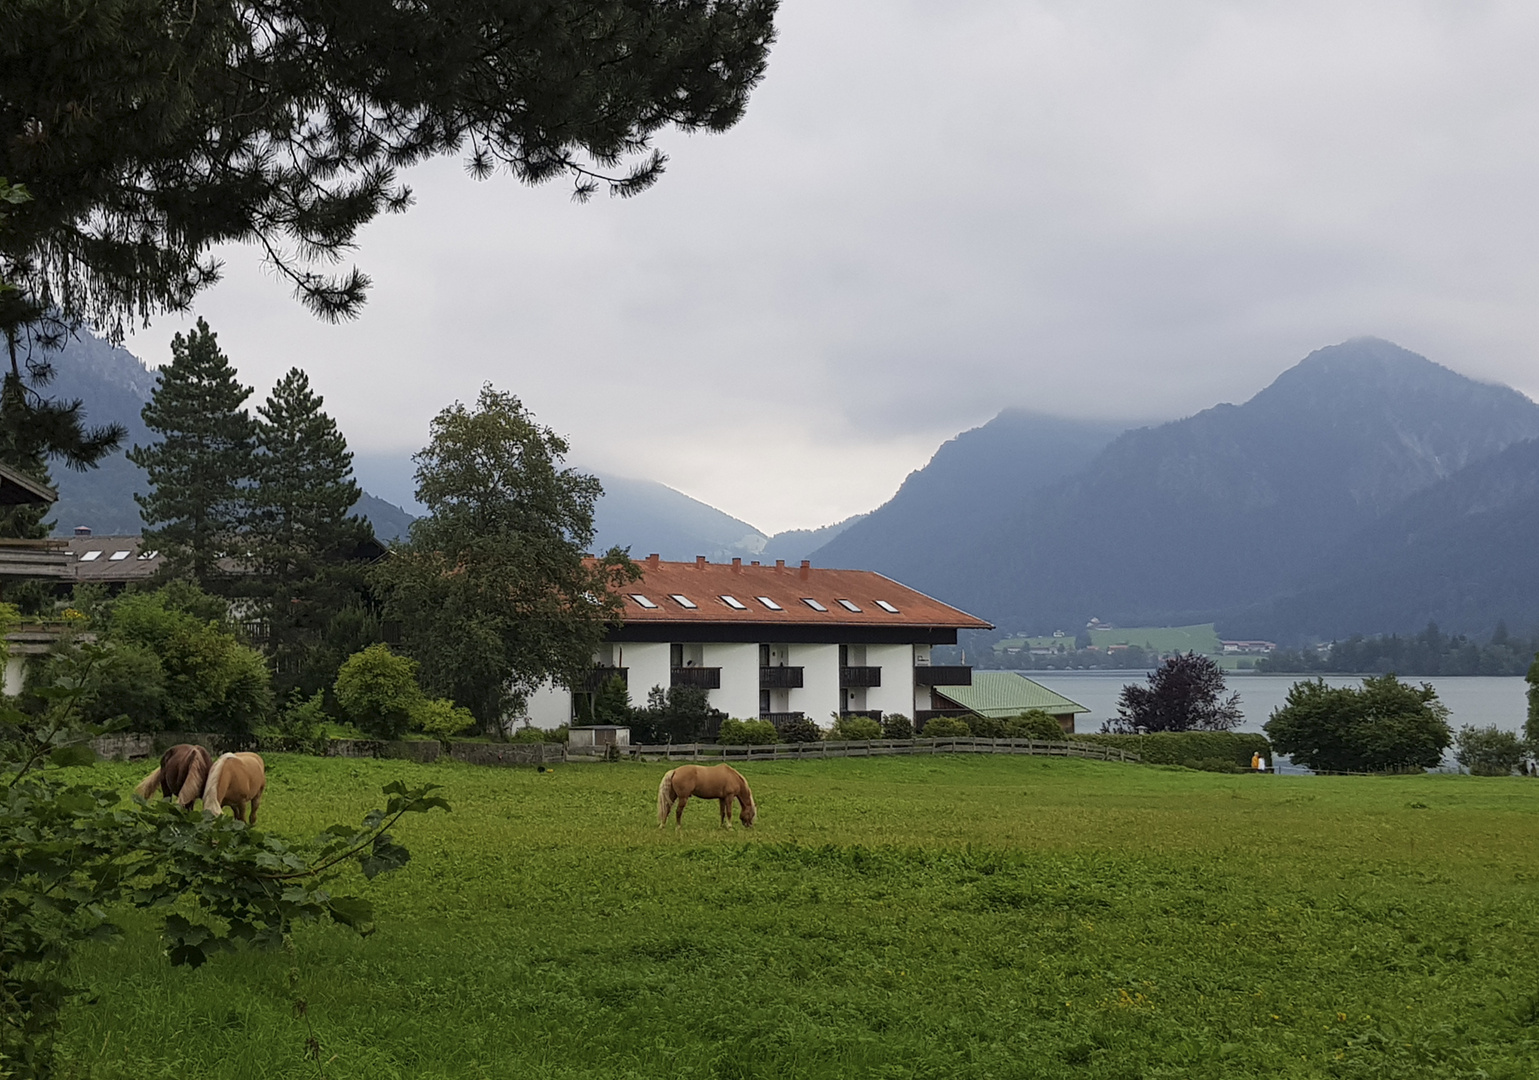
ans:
(739, 693)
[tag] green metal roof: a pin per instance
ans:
(1004, 693)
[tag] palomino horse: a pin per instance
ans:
(183, 772)
(234, 781)
(720, 782)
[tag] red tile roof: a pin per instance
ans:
(704, 584)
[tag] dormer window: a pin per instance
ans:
(682, 600)
(734, 603)
(767, 602)
(643, 601)
(849, 605)
(885, 606)
(813, 604)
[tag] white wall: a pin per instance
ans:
(896, 694)
(550, 706)
(739, 693)
(819, 693)
(15, 674)
(649, 666)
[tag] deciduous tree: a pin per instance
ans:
(1385, 724)
(1185, 693)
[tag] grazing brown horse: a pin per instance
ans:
(236, 780)
(720, 782)
(183, 772)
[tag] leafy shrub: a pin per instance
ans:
(897, 726)
(945, 727)
(1488, 751)
(1384, 725)
(440, 718)
(1035, 724)
(1185, 693)
(377, 690)
(800, 730)
(680, 714)
(612, 702)
(1206, 750)
(855, 728)
(988, 727)
(736, 732)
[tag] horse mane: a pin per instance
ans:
(745, 800)
(211, 788)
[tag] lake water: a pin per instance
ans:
(1478, 700)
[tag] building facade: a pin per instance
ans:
(775, 642)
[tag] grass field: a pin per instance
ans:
(950, 917)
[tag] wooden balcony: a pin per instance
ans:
(781, 719)
(943, 675)
(702, 678)
(601, 675)
(780, 678)
(855, 677)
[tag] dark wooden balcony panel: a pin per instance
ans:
(870, 714)
(780, 678)
(704, 678)
(781, 719)
(860, 676)
(943, 675)
(601, 675)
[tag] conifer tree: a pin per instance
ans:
(200, 469)
(301, 536)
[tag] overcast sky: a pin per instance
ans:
(935, 210)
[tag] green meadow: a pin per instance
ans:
(904, 917)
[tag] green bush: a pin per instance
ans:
(945, 727)
(1489, 751)
(1035, 724)
(801, 730)
(1207, 750)
(440, 718)
(531, 734)
(855, 728)
(377, 690)
(897, 726)
(1386, 724)
(988, 727)
(736, 732)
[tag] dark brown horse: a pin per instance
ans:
(183, 772)
(720, 782)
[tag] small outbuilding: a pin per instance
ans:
(598, 735)
(1004, 694)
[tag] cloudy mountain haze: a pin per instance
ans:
(933, 212)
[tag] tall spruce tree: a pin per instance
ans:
(301, 537)
(200, 469)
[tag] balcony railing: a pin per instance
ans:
(780, 678)
(601, 675)
(703, 678)
(943, 675)
(781, 719)
(860, 676)
(870, 714)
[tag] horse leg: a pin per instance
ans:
(726, 812)
(239, 810)
(678, 811)
(256, 801)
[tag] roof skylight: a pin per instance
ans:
(767, 602)
(885, 606)
(813, 604)
(118, 556)
(89, 556)
(849, 605)
(733, 602)
(682, 600)
(642, 600)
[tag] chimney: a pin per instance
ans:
(806, 569)
(82, 530)
(754, 563)
(780, 564)
(737, 566)
(699, 562)
(652, 560)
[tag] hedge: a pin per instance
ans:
(1211, 751)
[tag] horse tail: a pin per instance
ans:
(151, 783)
(197, 777)
(211, 788)
(665, 798)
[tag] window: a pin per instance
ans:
(849, 605)
(90, 556)
(734, 603)
(643, 601)
(813, 604)
(148, 554)
(119, 556)
(767, 602)
(682, 600)
(885, 606)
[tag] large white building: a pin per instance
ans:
(776, 642)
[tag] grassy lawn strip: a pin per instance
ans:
(954, 916)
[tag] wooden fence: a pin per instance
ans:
(872, 748)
